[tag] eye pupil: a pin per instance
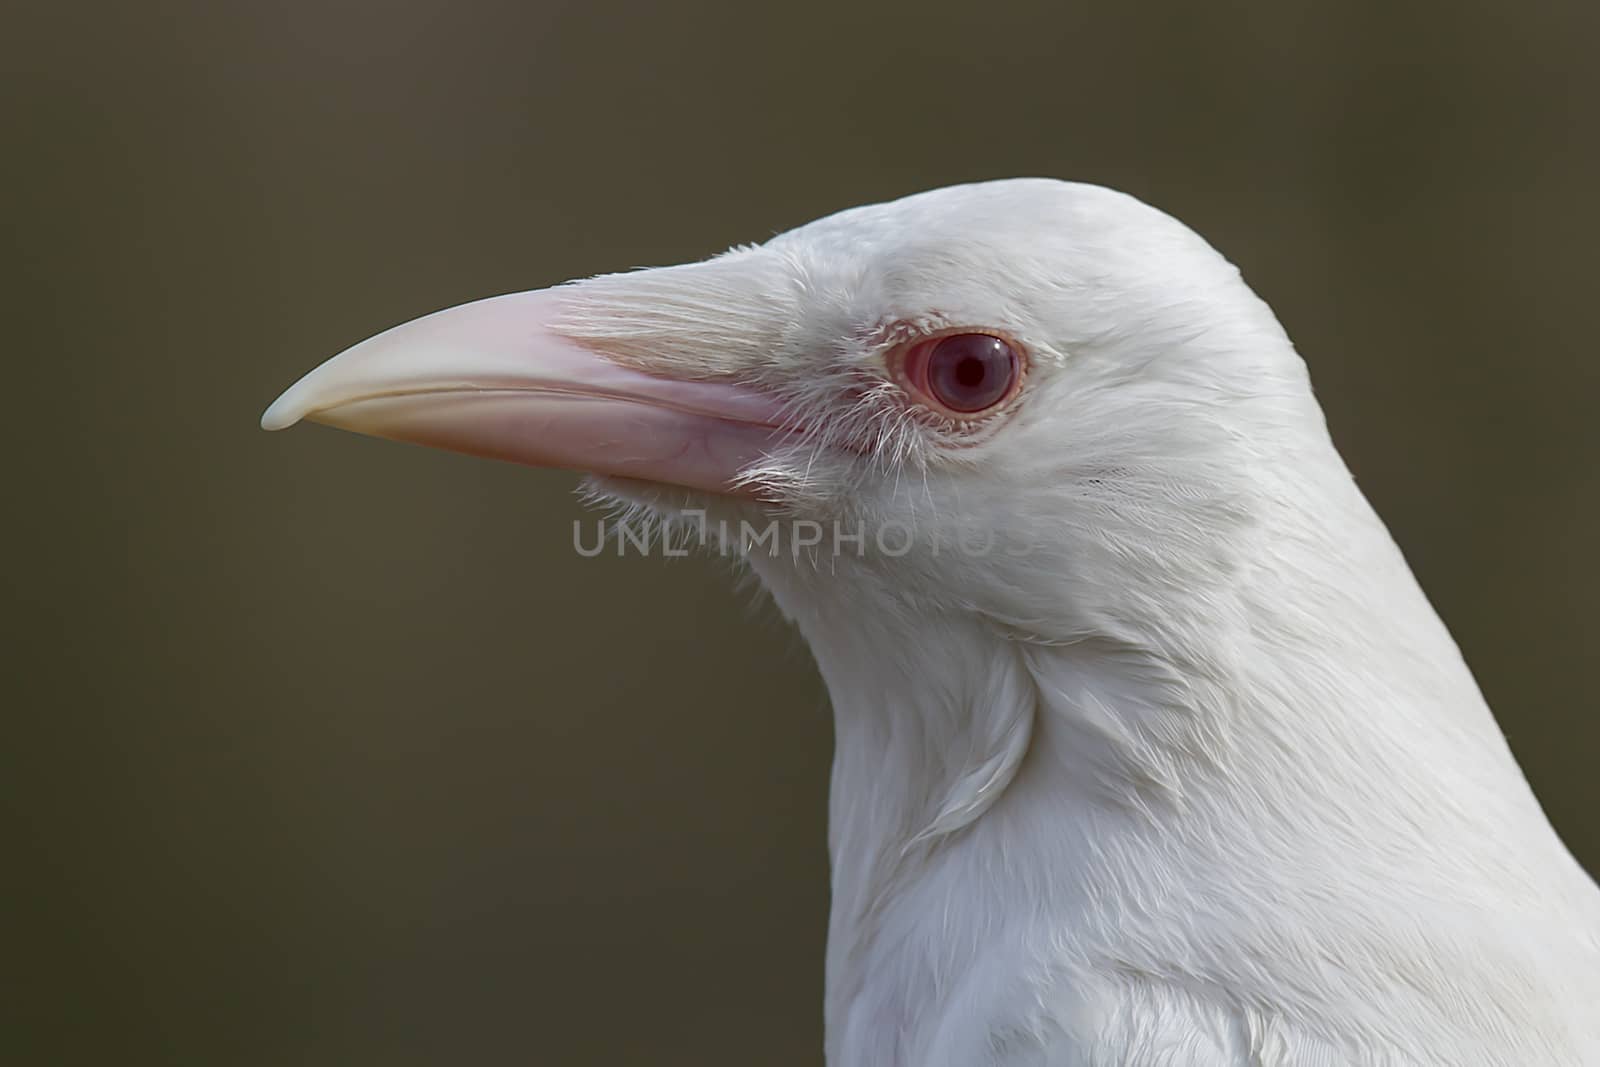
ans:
(970, 372)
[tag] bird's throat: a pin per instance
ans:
(932, 728)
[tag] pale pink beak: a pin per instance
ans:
(491, 378)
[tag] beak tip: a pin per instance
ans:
(283, 413)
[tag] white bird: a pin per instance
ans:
(1150, 750)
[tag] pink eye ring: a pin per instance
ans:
(961, 375)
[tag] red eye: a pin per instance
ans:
(964, 373)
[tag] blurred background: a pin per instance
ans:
(322, 750)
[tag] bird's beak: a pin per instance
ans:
(492, 378)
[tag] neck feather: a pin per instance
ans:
(994, 789)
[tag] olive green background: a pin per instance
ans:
(323, 750)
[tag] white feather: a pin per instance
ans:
(1197, 779)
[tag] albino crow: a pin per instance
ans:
(1150, 749)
